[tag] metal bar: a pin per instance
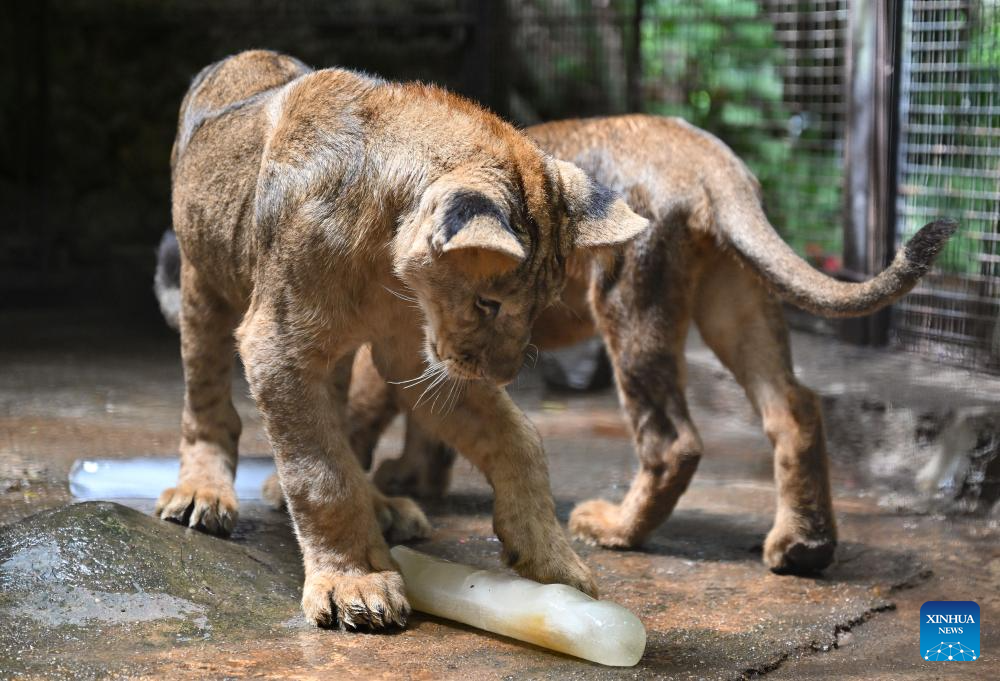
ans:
(950, 314)
(955, 109)
(889, 18)
(951, 171)
(938, 129)
(935, 67)
(633, 62)
(942, 335)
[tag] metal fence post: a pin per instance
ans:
(890, 50)
(633, 75)
(485, 72)
(870, 154)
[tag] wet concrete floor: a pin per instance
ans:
(99, 590)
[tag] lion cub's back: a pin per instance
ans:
(216, 157)
(659, 163)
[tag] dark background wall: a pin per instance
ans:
(88, 110)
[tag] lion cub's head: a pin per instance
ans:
(487, 251)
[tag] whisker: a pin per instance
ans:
(432, 397)
(458, 395)
(448, 400)
(437, 396)
(573, 312)
(534, 358)
(441, 376)
(431, 370)
(410, 382)
(400, 295)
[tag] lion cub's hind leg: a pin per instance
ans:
(744, 326)
(210, 428)
(644, 317)
(423, 469)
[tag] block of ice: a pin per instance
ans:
(146, 477)
(552, 616)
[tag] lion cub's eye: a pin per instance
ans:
(490, 308)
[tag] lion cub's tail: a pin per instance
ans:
(744, 226)
(167, 280)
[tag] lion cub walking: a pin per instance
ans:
(711, 259)
(318, 211)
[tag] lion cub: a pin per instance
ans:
(317, 211)
(711, 259)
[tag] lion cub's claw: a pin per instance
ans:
(209, 508)
(369, 602)
(577, 575)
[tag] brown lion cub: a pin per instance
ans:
(711, 258)
(317, 211)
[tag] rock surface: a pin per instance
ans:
(101, 576)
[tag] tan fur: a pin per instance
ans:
(713, 259)
(319, 211)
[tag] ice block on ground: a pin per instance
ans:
(552, 616)
(146, 477)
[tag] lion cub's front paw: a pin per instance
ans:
(373, 601)
(598, 522)
(208, 507)
(557, 567)
(272, 493)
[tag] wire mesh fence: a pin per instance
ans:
(766, 76)
(769, 77)
(950, 165)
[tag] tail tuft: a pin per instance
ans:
(167, 280)
(926, 244)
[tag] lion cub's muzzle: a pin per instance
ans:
(470, 365)
(469, 368)
(463, 366)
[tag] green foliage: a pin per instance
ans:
(717, 64)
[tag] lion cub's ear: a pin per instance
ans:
(603, 220)
(473, 233)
